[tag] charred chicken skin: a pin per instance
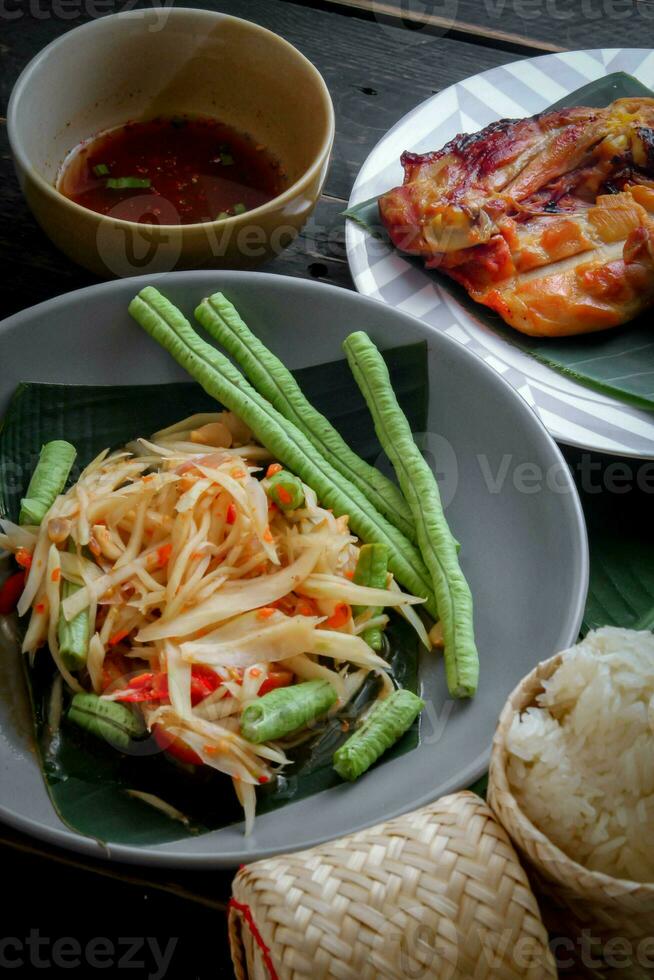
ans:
(549, 221)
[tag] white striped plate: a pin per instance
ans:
(572, 413)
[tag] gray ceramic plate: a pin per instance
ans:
(509, 498)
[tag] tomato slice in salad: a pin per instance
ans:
(204, 682)
(10, 593)
(175, 746)
(276, 678)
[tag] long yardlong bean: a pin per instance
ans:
(274, 381)
(48, 480)
(437, 545)
(223, 381)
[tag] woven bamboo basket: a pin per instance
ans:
(596, 912)
(438, 893)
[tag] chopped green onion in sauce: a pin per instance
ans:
(118, 183)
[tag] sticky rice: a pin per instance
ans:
(581, 762)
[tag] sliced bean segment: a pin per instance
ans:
(372, 571)
(223, 381)
(109, 720)
(285, 490)
(387, 721)
(437, 545)
(48, 480)
(275, 382)
(73, 637)
(285, 709)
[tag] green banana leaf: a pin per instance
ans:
(86, 778)
(616, 495)
(620, 362)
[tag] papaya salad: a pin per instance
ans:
(222, 587)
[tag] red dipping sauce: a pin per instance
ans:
(176, 170)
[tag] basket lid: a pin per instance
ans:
(434, 893)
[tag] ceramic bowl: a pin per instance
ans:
(146, 63)
(523, 540)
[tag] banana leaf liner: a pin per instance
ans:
(87, 779)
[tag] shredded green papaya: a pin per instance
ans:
(219, 378)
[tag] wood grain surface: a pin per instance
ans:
(532, 26)
(379, 58)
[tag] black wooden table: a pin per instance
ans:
(379, 59)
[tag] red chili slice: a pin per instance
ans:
(175, 746)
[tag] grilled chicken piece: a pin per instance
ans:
(549, 221)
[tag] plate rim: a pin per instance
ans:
(157, 855)
(355, 236)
